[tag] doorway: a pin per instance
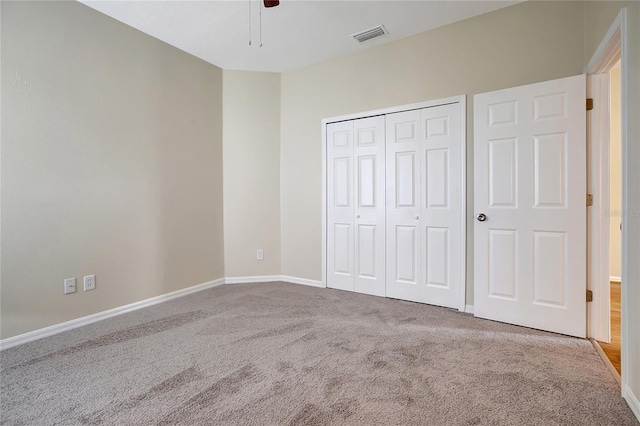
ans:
(608, 182)
(612, 346)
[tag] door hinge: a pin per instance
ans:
(589, 296)
(589, 200)
(589, 104)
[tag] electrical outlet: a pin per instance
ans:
(69, 285)
(260, 255)
(89, 282)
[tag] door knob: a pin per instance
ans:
(357, 216)
(482, 217)
(416, 217)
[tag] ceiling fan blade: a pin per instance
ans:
(271, 3)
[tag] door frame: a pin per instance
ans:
(598, 182)
(613, 46)
(462, 100)
(598, 88)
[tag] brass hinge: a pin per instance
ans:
(589, 200)
(589, 104)
(589, 296)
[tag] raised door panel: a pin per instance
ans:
(550, 268)
(342, 249)
(437, 178)
(406, 255)
(437, 257)
(550, 170)
(503, 261)
(367, 247)
(502, 172)
(405, 180)
(341, 182)
(367, 182)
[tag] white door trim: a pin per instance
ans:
(608, 52)
(597, 70)
(394, 109)
(463, 195)
(462, 100)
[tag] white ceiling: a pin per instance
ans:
(295, 34)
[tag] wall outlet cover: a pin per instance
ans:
(89, 282)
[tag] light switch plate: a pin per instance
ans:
(69, 285)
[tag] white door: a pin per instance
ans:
(425, 209)
(369, 193)
(442, 216)
(530, 189)
(340, 211)
(403, 205)
(355, 213)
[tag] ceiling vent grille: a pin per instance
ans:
(374, 32)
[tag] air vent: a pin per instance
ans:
(374, 32)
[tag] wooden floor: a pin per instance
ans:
(612, 350)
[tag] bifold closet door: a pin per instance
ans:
(425, 249)
(340, 211)
(369, 158)
(355, 207)
(403, 205)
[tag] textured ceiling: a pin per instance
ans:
(295, 34)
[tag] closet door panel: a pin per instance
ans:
(340, 206)
(403, 201)
(369, 191)
(441, 209)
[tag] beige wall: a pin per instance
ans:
(251, 123)
(526, 43)
(598, 17)
(615, 173)
(111, 165)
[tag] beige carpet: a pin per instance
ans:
(277, 353)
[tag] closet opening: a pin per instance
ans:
(394, 202)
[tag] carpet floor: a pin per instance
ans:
(278, 353)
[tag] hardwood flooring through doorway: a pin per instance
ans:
(612, 350)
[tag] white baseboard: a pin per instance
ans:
(632, 400)
(468, 309)
(90, 319)
(615, 279)
(303, 281)
(272, 278)
(253, 279)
